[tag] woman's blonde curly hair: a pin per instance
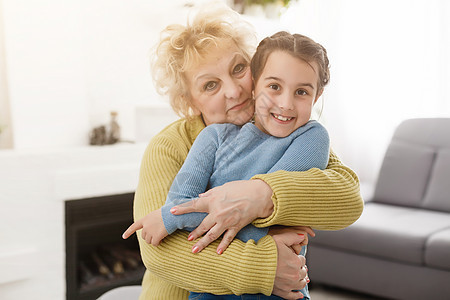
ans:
(181, 48)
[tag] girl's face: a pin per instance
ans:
(285, 94)
(220, 86)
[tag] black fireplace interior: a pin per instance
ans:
(97, 258)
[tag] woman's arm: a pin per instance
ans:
(245, 268)
(323, 199)
(309, 149)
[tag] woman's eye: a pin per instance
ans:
(274, 87)
(301, 92)
(238, 68)
(210, 85)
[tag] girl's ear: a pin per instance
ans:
(319, 93)
(253, 88)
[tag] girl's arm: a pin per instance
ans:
(310, 149)
(192, 180)
(327, 199)
(323, 199)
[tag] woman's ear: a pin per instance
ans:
(319, 93)
(187, 99)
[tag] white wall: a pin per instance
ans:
(69, 63)
(389, 61)
(5, 117)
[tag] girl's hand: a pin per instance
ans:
(153, 229)
(230, 207)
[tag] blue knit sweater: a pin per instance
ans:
(226, 152)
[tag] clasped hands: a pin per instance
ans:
(231, 207)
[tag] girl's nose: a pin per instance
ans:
(286, 102)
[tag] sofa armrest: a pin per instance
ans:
(367, 191)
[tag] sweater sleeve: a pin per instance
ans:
(243, 268)
(191, 180)
(323, 199)
(308, 150)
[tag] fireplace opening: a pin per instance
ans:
(97, 258)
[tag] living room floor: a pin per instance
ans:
(322, 292)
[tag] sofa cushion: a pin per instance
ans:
(437, 251)
(410, 159)
(438, 192)
(404, 174)
(431, 132)
(390, 232)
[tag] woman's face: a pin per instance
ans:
(285, 94)
(220, 86)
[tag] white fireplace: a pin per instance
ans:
(34, 184)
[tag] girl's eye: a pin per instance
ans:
(238, 68)
(274, 87)
(209, 86)
(301, 92)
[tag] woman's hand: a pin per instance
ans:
(300, 230)
(291, 275)
(230, 207)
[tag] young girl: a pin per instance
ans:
(289, 73)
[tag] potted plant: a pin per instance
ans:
(268, 8)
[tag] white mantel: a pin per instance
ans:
(33, 187)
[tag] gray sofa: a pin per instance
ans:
(400, 246)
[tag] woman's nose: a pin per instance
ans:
(231, 89)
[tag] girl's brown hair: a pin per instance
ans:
(297, 45)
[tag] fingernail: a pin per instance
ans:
(195, 249)
(300, 234)
(173, 210)
(219, 251)
(190, 237)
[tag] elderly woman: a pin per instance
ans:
(204, 68)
